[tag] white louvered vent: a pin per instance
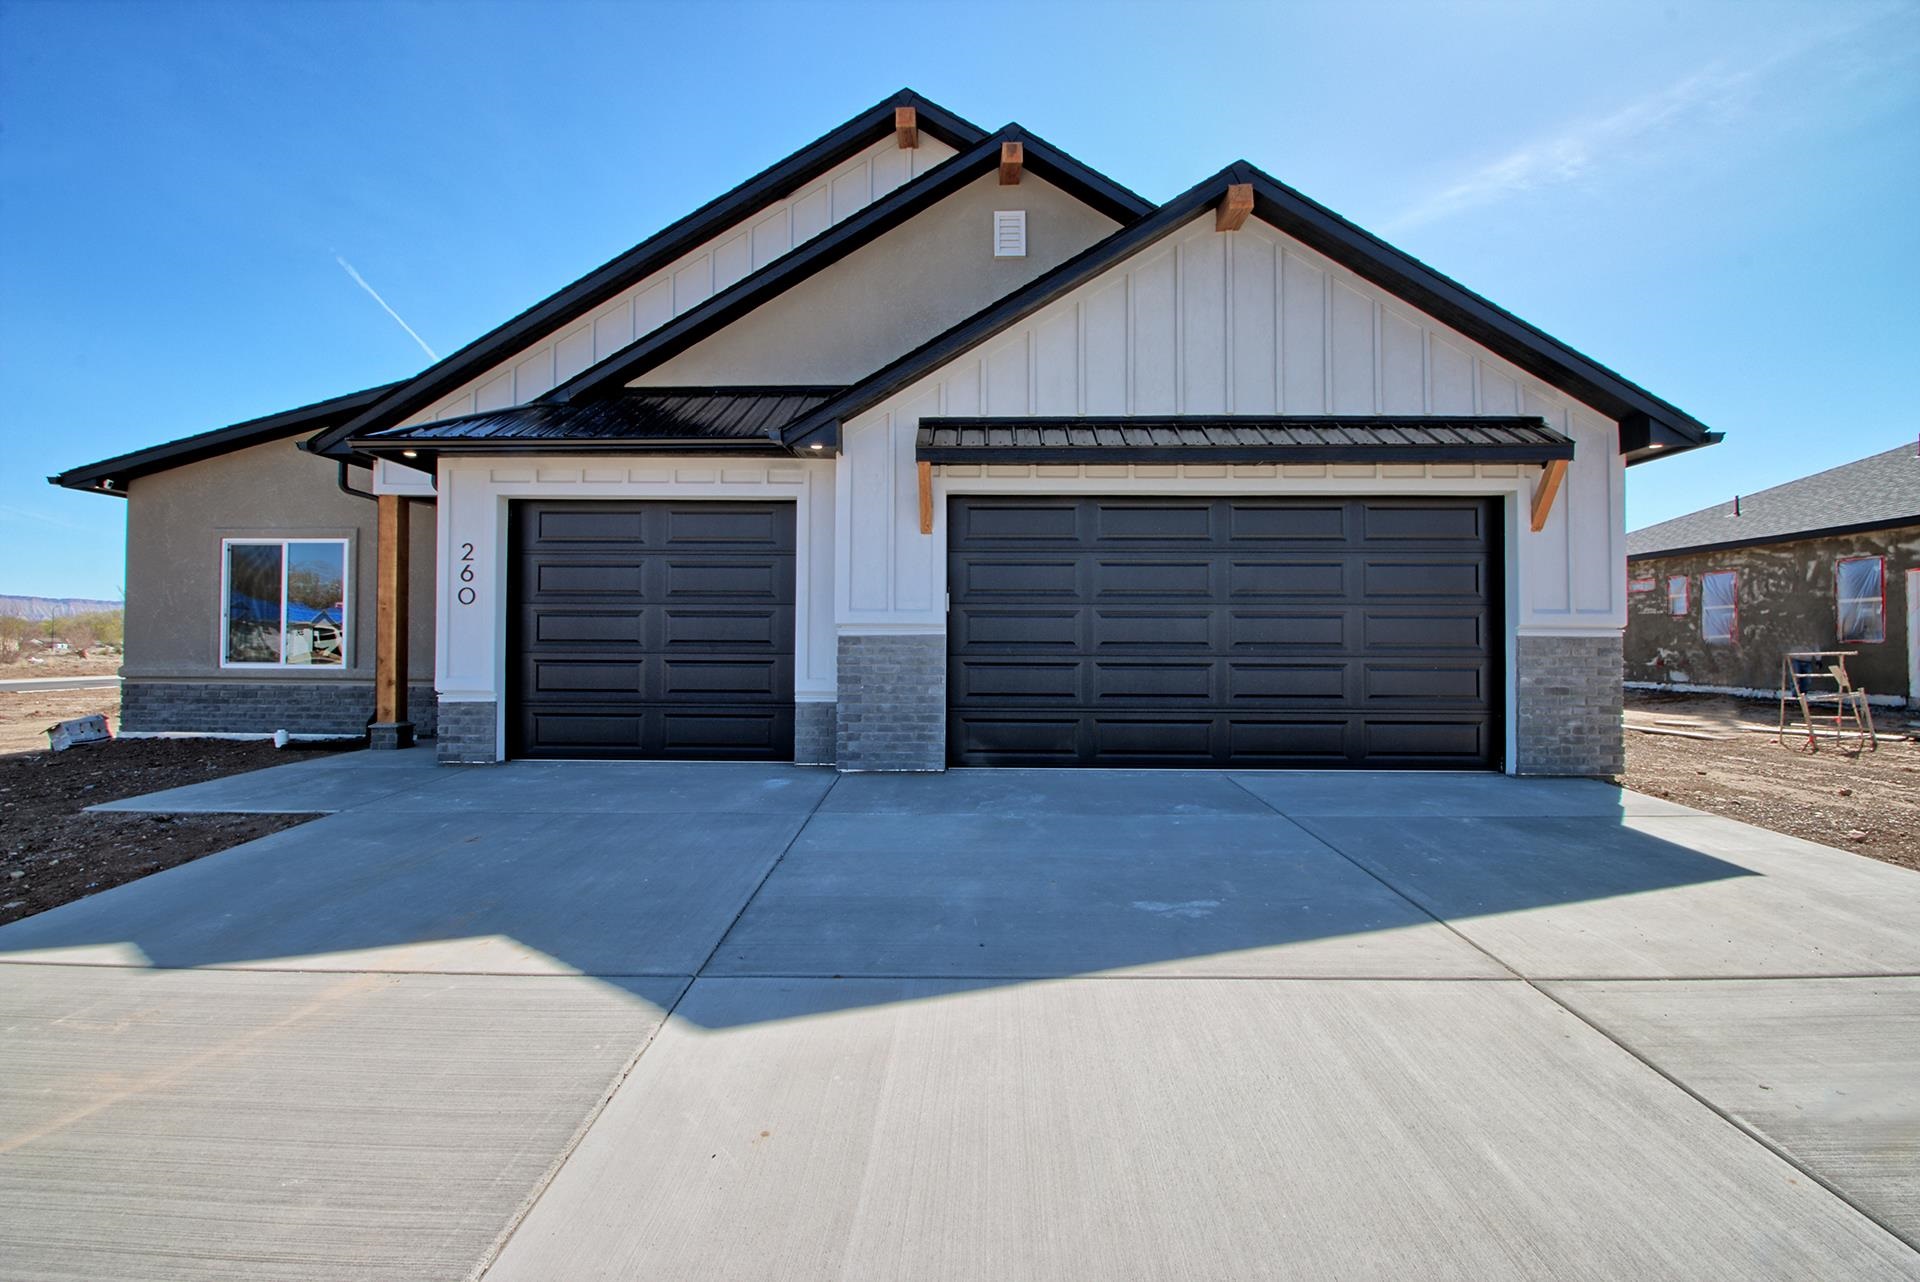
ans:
(1009, 233)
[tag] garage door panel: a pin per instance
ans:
(1434, 631)
(988, 629)
(1303, 744)
(1018, 679)
(1423, 578)
(683, 628)
(1423, 522)
(582, 627)
(1009, 737)
(652, 629)
(991, 578)
(1150, 681)
(1273, 632)
(1424, 683)
(1327, 683)
(1160, 741)
(1126, 578)
(1132, 630)
(1250, 522)
(1280, 631)
(1159, 523)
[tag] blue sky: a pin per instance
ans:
(1717, 200)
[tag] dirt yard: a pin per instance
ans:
(1718, 754)
(51, 852)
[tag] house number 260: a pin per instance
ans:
(466, 594)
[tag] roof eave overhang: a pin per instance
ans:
(1237, 454)
(1791, 536)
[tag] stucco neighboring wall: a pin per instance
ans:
(888, 297)
(176, 520)
(1785, 601)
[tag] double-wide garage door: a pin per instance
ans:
(1222, 632)
(652, 630)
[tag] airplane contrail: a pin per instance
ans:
(361, 281)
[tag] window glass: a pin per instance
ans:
(1677, 594)
(253, 603)
(1860, 586)
(286, 602)
(1719, 614)
(316, 603)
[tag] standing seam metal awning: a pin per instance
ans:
(1242, 439)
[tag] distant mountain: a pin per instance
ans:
(42, 607)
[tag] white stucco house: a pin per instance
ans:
(930, 446)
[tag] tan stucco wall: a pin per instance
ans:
(176, 520)
(888, 297)
(1785, 598)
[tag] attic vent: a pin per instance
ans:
(1009, 233)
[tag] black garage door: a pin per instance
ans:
(652, 630)
(1222, 632)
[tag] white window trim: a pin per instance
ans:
(1686, 595)
(346, 603)
(1878, 601)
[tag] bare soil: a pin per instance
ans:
(52, 852)
(1719, 754)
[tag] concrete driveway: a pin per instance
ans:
(574, 1021)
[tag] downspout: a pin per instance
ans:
(348, 489)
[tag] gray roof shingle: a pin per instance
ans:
(1881, 489)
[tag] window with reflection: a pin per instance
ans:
(285, 603)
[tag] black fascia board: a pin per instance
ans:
(1791, 536)
(611, 375)
(648, 256)
(822, 426)
(1360, 251)
(109, 476)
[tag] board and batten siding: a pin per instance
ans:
(690, 280)
(1248, 322)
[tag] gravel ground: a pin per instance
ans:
(1867, 802)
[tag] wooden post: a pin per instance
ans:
(926, 497)
(906, 127)
(1544, 492)
(392, 730)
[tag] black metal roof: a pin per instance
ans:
(683, 419)
(1880, 491)
(1242, 439)
(110, 476)
(1648, 424)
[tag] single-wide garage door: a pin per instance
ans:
(660, 629)
(1222, 632)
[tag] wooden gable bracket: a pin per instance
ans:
(1544, 491)
(926, 497)
(1233, 211)
(906, 127)
(1012, 156)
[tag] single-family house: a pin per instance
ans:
(931, 446)
(1827, 562)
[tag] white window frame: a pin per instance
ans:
(346, 602)
(1840, 603)
(1686, 595)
